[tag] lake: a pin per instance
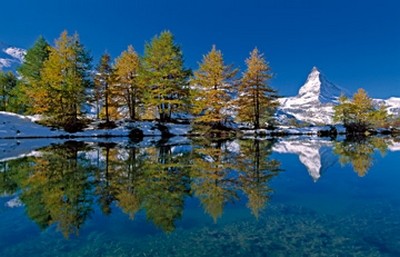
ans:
(294, 196)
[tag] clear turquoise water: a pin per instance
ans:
(205, 198)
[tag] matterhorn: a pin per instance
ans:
(315, 100)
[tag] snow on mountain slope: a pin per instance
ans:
(392, 104)
(316, 155)
(315, 100)
(10, 57)
(318, 89)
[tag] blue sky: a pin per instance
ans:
(354, 43)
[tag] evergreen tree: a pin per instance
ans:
(102, 82)
(212, 82)
(30, 90)
(165, 75)
(33, 62)
(8, 82)
(360, 113)
(256, 100)
(65, 77)
(128, 87)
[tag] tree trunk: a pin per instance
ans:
(129, 102)
(133, 101)
(257, 113)
(97, 108)
(106, 98)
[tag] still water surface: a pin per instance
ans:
(287, 197)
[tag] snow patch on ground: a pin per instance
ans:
(18, 126)
(179, 129)
(13, 125)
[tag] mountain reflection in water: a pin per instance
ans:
(61, 184)
(318, 155)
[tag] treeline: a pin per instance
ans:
(59, 81)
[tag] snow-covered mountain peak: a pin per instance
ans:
(318, 89)
(10, 57)
(17, 53)
(315, 100)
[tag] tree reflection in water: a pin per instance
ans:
(359, 151)
(55, 186)
(256, 169)
(61, 184)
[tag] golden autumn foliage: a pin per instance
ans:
(165, 76)
(359, 113)
(256, 99)
(64, 78)
(127, 89)
(211, 84)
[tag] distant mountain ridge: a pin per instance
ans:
(316, 98)
(392, 104)
(10, 57)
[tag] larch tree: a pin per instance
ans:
(165, 76)
(211, 85)
(102, 83)
(256, 99)
(127, 86)
(65, 76)
(31, 91)
(360, 113)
